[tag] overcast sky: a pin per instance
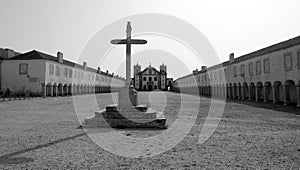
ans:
(230, 26)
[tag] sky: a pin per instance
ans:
(68, 26)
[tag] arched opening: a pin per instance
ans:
(234, 91)
(259, 91)
(70, 89)
(49, 89)
(65, 90)
(291, 92)
(239, 93)
(54, 89)
(268, 92)
(278, 92)
(150, 87)
(155, 87)
(245, 91)
(230, 91)
(144, 88)
(60, 89)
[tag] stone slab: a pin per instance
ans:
(158, 122)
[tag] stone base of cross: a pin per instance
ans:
(127, 96)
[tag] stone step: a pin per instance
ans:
(125, 123)
(115, 108)
(149, 114)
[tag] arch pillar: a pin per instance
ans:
(256, 93)
(44, 89)
(265, 93)
(51, 90)
(243, 88)
(284, 95)
(250, 92)
(274, 94)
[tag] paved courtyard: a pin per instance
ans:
(44, 133)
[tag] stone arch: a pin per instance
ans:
(230, 91)
(234, 91)
(70, 89)
(259, 91)
(60, 89)
(239, 91)
(49, 89)
(268, 91)
(65, 90)
(278, 92)
(291, 92)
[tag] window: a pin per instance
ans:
(235, 71)
(51, 69)
(155, 78)
(66, 72)
(242, 70)
(266, 66)
(288, 62)
(150, 78)
(298, 56)
(70, 73)
(250, 69)
(57, 71)
(144, 78)
(258, 67)
(23, 69)
(215, 75)
(220, 74)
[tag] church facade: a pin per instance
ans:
(151, 79)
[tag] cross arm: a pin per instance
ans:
(119, 41)
(137, 41)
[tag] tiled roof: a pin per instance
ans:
(276, 47)
(33, 55)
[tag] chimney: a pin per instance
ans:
(203, 68)
(231, 57)
(84, 65)
(98, 70)
(195, 71)
(60, 57)
(107, 72)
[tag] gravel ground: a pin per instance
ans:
(44, 134)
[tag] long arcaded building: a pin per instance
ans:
(42, 74)
(271, 74)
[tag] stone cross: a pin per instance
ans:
(128, 41)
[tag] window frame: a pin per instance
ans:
(26, 70)
(234, 71)
(258, 71)
(289, 54)
(266, 71)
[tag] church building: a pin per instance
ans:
(151, 79)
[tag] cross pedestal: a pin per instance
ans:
(127, 113)
(127, 96)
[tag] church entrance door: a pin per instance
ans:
(150, 88)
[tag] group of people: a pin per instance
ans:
(6, 93)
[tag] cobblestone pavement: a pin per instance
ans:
(44, 134)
